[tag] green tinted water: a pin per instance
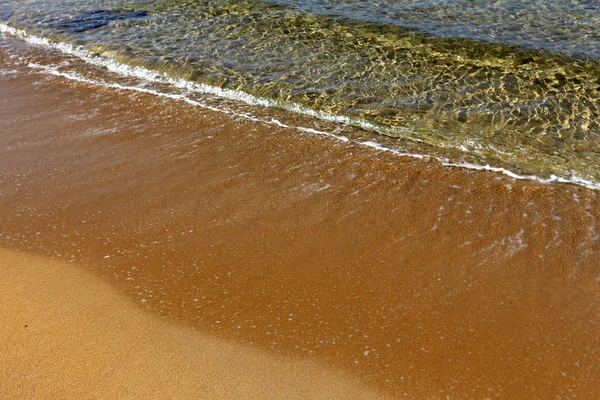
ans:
(529, 110)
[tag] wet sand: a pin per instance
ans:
(68, 335)
(421, 281)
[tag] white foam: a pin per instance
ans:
(377, 146)
(148, 75)
(161, 77)
(575, 180)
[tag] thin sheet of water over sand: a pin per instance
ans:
(68, 335)
(415, 279)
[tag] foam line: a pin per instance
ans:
(148, 75)
(161, 77)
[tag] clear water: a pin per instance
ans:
(514, 84)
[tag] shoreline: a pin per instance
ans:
(149, 76)
(67, 334)
(410, 277)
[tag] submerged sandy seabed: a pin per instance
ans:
(421, 281)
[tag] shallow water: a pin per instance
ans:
(424, 281)
(234, 166)
(510, 84)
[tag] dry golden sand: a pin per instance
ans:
(422, 281)
(65, 334)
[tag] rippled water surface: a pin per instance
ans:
(508, 83)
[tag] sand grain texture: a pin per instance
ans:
(65, 334)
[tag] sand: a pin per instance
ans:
(422, 281)
(65, 334)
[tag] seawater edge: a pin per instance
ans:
(414, 277)
(158, 77)
(140, 354)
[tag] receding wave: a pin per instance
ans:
(510, 93)
(149, 74)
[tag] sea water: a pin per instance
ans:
(508, 86)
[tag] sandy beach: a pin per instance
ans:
(199, 255)
(67, 335)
